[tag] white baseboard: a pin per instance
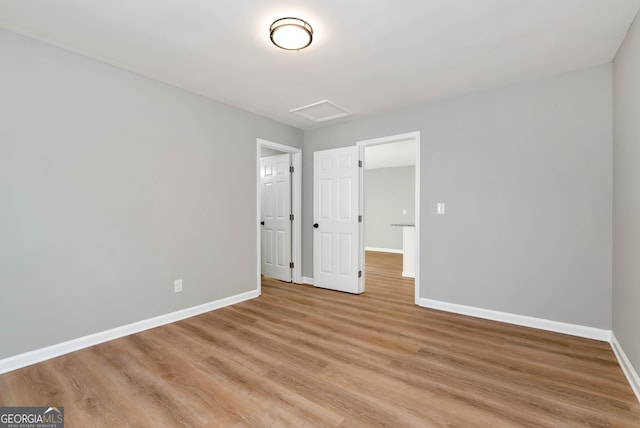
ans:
(408, 274)
(384, 250)
(32, 357)
(627, 367)
(307, 280)
(523, 320)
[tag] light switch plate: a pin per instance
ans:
(440, 208)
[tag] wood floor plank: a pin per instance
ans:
(302, 356)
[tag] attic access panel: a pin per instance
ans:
(321, 111)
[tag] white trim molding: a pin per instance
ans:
(627, 367)
(384, 250)
(408, 274)
(523, 320)
(43, 354)
(307, 280)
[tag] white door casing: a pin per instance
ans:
(415, 136)
(336, 237)
(275, 209)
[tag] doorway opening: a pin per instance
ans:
(281, 231)
(401, 150)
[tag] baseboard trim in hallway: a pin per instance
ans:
(384, 250)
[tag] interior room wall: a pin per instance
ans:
(525, 172)
(387, 192)
(626, 195)
(267, 151)
(111, 187)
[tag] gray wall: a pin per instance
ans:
(387, 191)
(267, 151)
(525, 172)
(626, 195)
(112, 186)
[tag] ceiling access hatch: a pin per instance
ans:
(321, 111)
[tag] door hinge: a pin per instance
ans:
(291, 265)
(290, 169)
(360, 163)
(359, 219)
(359, 274)
(291, 217)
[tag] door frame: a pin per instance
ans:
(385, 140)
(296, 209)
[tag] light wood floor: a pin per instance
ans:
(300, 356)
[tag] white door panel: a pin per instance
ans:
(336, 208)
(267, 244)
(275, 208)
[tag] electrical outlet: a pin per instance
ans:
(404, 212)
(177, 286)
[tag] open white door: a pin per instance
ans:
(275, 209)
(336, 255)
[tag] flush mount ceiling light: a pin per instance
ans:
(291, 34)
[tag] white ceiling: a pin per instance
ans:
(402, 153)
(368, 57)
